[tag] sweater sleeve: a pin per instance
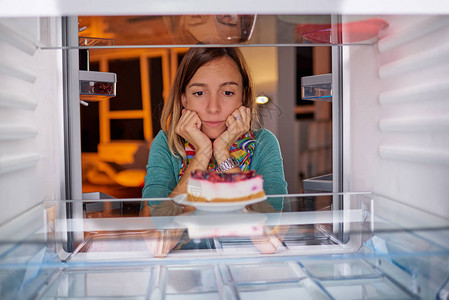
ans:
(269, 163)
(160, 179)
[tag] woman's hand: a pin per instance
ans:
(189, 127)
(272, 239)
(238, 123)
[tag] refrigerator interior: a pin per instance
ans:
(390, 139)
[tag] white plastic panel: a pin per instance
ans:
(399, 113)
(30, 109)
(108, 7)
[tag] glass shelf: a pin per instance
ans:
(170, 31)
(374, 247)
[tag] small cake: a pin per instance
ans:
(206, 186)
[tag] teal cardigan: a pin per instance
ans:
(163, 168)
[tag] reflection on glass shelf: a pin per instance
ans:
(91, 41)
(155, 31)
(374, 248)
(232, 30)
(342, 33)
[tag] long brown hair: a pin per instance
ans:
(192, 61)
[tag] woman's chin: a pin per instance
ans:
(213, 134)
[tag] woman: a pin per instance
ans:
(208, 119)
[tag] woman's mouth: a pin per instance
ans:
(213, 123)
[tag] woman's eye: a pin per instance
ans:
(228, 93)
(199, 93)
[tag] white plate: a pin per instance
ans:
(217, 206)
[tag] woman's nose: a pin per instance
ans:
(213, 105)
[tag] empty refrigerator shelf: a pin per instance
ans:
(370, 250)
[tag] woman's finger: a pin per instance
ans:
(246, 117)
(189, 120)
(238, 114)
(229, 120)
(243, 118)
(245, 112)
(197, 121)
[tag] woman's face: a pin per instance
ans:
(214, 92)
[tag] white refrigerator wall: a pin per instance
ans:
(31, 99)
(397, 93)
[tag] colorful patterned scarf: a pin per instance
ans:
(242, 150)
